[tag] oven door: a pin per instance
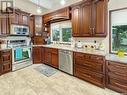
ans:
(21, 54)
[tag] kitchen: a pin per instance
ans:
(77, 47)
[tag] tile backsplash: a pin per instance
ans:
(92, 40)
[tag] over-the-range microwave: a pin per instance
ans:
(19, 30)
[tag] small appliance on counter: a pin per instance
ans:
(79, 44)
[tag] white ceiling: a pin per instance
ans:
(46, 5)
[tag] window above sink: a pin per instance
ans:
(61, 32)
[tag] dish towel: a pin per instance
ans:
(18, 52)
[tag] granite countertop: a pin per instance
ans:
(113, 57)
(4, 49)
(110, 57)
(67, 47)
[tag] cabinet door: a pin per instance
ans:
(86, 19)
(6, 56)
(4, 25)
(6, 67)
(31, 25)
(43, 55)
(54, 59)
(38, 26)
(48, 56)
(24, 19)
(36, 55)
(76, 14)
(99, 18)
(15, 18)
(0, 26)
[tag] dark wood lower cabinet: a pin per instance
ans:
(45, 55)
(54, 60)
(51, 57)
(116, 76)
(90, 68)
(37, 55)
(5, 61)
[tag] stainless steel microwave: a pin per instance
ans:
(19, 30)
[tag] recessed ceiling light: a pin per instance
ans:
(39, 11)
(62, 2)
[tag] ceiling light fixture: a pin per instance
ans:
(39, 11)
(62, 2)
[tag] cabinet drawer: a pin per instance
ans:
(55, 51)
(116, 68)
(116, 83)
(97, 67)
(5, 56)
(89, 76)
(95, 58)
(79, 55)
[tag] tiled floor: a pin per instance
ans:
(30, 82)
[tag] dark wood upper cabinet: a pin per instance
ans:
(25, 19)
(36, 25)
(31, 26)
(99, 18)
(36, 29)
(19, 17)
(76, 14)
(89, 18)
(4, 25)
(86, 19)
(15, 18)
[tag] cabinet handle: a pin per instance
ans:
(3, 67)
(93, 29)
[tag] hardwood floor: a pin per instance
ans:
(28, 81)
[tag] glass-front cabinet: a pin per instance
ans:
(38, 25)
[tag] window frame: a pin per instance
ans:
(59, 23)
(110, 30)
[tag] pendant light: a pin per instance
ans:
(39, 11)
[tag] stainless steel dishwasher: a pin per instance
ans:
(66, 61)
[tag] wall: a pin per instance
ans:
(113, 4)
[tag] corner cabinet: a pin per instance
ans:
(89, 18)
